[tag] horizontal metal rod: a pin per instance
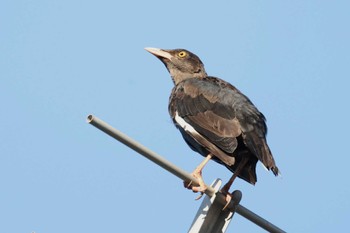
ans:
(185, 176)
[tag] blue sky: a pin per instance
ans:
(63, 60)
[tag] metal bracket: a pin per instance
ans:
(210, 217)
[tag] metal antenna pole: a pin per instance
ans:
(234, 206)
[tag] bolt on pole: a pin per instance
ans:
(185, 176)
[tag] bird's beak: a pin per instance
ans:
(159, 53)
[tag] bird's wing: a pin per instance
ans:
(220, 113)
(253, 126)
(201, 104)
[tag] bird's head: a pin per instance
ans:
(181, 64)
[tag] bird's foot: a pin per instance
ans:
(228, 196)
(188, 184)
(201, 188)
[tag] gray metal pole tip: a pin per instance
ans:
(89, 118)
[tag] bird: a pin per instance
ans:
(215, 119)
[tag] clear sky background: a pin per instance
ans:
(62, 60)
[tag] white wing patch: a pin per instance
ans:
(214, 150)
(187, 127)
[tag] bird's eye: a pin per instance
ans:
(182, 54)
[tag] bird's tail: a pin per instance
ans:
(276, 171)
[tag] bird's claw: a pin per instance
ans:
(228, 199)
(201, 188)
(188, 184)
(199, 196)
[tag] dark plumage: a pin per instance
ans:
(214, 117)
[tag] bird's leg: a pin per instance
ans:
(197, 173)
(225, 190)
